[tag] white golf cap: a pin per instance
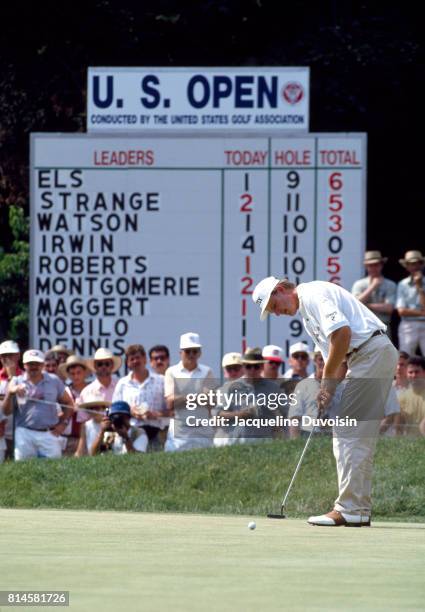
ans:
(271, 352)
(33, 355)
(299, 347)
(190, 340)
(262, 292)
(8, 347)
(230, 359)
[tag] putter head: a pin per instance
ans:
(282, 515)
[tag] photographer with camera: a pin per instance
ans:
(113, 432)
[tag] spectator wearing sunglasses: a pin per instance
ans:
(187, 377)
(250, 385)
(104, 364)
(159, 358)
(299, 361)
(273, 356)
(232, 366)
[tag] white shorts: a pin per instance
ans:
(30, 443)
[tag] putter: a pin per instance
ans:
(282, 514)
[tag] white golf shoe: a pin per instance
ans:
(339, 519)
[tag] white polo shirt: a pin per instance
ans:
(325, 307)
(179, 380)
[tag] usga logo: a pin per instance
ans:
(293, 92)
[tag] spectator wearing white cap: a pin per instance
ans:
(374, 290)
(232, 366)
(273, 360)
(187, 376)
(411, 304)
(38, 423)
(104, 364)
(299, 359)
(9, 359)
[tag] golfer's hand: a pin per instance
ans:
(324, 398)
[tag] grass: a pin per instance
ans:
(239, 480)
(113, 561)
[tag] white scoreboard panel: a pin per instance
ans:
(138, 239)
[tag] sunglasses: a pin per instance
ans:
(233, 368)
(159, 358)
(193, 351)
(103, 364)
(254, 366)
(299, 356)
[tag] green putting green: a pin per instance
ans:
(113, 561)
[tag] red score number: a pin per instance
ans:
(335, 244)
(248, 250)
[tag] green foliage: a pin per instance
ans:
(249, 479)
(14, 277)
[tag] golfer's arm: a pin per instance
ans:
(339, 343)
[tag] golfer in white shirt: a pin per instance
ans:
(343, 328)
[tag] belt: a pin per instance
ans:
(44, 429)
(378, 332)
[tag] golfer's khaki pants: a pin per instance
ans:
(369, 378)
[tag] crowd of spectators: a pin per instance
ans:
(62, 404)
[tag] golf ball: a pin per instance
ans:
(252, 525)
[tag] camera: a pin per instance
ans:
(118, 413)
(118, 420)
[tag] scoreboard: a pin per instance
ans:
(138, 239)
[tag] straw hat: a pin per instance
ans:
(61, 348)
(72, 360)
(252, 356)
(412, 257)
(372, 257)
(93, 402)
(102, 354)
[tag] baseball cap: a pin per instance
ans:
(271, 352)
(190, 340)
(230, 359)
(9, 347)
(299, 347)
(262, 292)
(33, 355)
(119, 407)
